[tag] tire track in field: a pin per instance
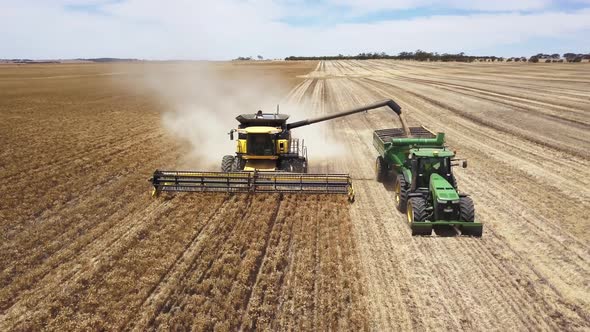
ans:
(535, 164)
(65, 228)
(540, 92)
(554, 229)
(203, 271)
(528, 305)
(266, 302)
(66, 153)
(551, 111)
(387, 301)
(550, 142)
(174, 233)
(54, 279)
(262, 299)
(52, 200)
(153, 302)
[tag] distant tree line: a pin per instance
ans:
(421, 55)
(248, 58)
(418, 55)
(28, 61)
(567, 57)
(107, 59)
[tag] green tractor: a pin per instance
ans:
(421, 167)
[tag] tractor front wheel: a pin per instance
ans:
(416, 213)
(401, 193)
(466, 209)
(467, 213)
(226, 163)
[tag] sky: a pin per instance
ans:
(226, 29)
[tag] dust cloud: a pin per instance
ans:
(323, 146)
(202, 99)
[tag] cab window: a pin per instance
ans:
(429, 166)
(260, 145)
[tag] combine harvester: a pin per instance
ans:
(267, 159)
(425, 187)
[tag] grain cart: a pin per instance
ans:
(421, 167)
(267, 159)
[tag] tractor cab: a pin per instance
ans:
(429, 161)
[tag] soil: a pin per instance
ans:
(84, 246)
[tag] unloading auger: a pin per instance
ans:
(267, 159)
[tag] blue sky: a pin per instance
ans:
(348, 13)
(224, 29)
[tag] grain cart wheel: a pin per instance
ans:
(467, 213)
(416, 213)
(401, 193)
(226, 163)
(380, 169)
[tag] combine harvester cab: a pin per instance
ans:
(267, 159)
(421, 167)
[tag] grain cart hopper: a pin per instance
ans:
(421, 167)
(267, 159)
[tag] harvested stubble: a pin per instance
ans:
(209, 262)
(85, 247)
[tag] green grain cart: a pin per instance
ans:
(421, 168)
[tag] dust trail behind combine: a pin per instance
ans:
(531, 268)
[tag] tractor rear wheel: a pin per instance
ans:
(416, 213)
(466, 209)
(226, 163)
(401, 193)
(380, 169)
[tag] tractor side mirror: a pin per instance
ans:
(231, 135)
(464, 164)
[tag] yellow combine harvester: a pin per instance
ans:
(267, 159)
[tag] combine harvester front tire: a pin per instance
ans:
(227, 163)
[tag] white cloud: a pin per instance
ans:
(480, 5)
(183, 29)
